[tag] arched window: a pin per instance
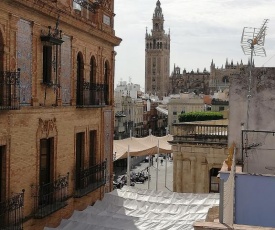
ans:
(79, 79)
(1, 52)
(92, 70)
(157, 26)
(154, 44)
(93, 96)
(106, 82)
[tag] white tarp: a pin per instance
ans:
(141, 146)
(131, 209)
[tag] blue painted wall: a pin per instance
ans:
(255, 199)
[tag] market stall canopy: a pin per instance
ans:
(133, 209)
(142, 146)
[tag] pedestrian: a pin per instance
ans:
(161, 161)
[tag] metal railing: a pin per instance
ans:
(92, 95)
(11, 212)
(90, 179)
(9, 90)
(50, 197)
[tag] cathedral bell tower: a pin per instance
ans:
(157, 56)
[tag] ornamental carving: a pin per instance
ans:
(47, 127)
(107, 4)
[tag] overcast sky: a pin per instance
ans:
(201, 30)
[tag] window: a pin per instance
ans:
(106, 80)
(93, 96)
(46, 157)
(2, 173)
(80, 148)
(221, 108)
(46, 172)
(92, 160)
(80, 79)
(174, 113)
(214, 180)
(47, 64)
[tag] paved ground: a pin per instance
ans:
(164, 175)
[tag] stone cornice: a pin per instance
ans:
(52, 9)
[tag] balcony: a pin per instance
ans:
(200, 133)
(92, 95)
(50, 197)
(11, 212)
(9, 90)
(88, 180)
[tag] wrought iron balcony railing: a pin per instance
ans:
(90, 179)
(92, 95)
(11, 212)
(9, 90)
(50, 197)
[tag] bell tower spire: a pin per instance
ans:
(158, 19)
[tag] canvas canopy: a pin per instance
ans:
(133, 209)
(141, 146)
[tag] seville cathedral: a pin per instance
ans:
(204, 82)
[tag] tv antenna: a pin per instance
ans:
(252, 43)
(253, 40)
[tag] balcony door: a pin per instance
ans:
(92, 160)
(2, 174)
(106, 82)
(93, 93)
(79, 79)
(80, 148)
(46, 155)
(46, 170)
(214, 180)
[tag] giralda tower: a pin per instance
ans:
(157, 56)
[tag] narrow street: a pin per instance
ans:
(164, 173)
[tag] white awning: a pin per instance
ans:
(131, 208)
(161, 110)
(142, 146)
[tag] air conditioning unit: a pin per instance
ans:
(76, 6)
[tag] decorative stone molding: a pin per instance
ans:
(47, 128)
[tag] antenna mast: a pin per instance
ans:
(252, 43)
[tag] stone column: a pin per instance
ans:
(178, 178)
(37, 56)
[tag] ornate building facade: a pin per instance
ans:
(218, 79)
(188, 82)
(157, 56)
(56, 108)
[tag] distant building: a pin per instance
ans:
(184, 104)
(157, 56)
(220, 77)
